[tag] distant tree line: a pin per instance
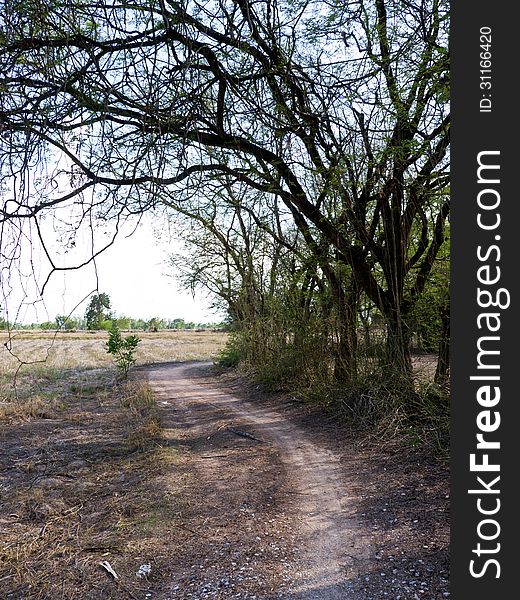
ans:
(99, 316)
(74, 323)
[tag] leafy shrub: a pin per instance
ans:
(231, 355)
(122, 349)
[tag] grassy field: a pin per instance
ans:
(86, 464)
(32, 359)
(85, 350)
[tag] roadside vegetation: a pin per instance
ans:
(314, 333)
(373, 404)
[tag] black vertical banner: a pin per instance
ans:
(485, 333)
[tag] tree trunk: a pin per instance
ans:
(398, 354)
(345, 361)
(345, 364)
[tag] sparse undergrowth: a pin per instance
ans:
(420, 417)
(77, 487)
(82, 471)
(374, 404)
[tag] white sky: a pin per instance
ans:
(133, 272)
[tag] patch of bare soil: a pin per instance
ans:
(326, 516)
(83, 496)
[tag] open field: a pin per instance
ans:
(85, 350)
(40, 358)
(75, 441)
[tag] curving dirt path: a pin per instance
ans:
(269, 496)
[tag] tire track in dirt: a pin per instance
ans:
(332, 546)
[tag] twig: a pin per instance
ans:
(215, 456)
(65, 475)
(180, 526)
(99, 548)
(244, 434)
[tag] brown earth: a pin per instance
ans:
(349, 522)
(237, 494)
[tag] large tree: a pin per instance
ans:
(98, 310)
(337, 109)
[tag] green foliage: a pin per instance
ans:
(98, 311)
(230, 356)
(155, 324)
(425, 318)
(106, 325)
(4, 323)
(67, 323)
(123, 322)
(177, 324)
(122, 349)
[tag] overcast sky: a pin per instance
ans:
(134, 272)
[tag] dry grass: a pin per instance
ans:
(32, 407)
(144, 426)
(31, 360)
(81, 485)
(138, 397)
(83, 464)
(84, 350)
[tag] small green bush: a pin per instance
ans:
(230, 356)
(122, 349)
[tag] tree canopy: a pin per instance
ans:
(98, 311)
(336, 114)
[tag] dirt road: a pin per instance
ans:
(215, 490)
(251, 460)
